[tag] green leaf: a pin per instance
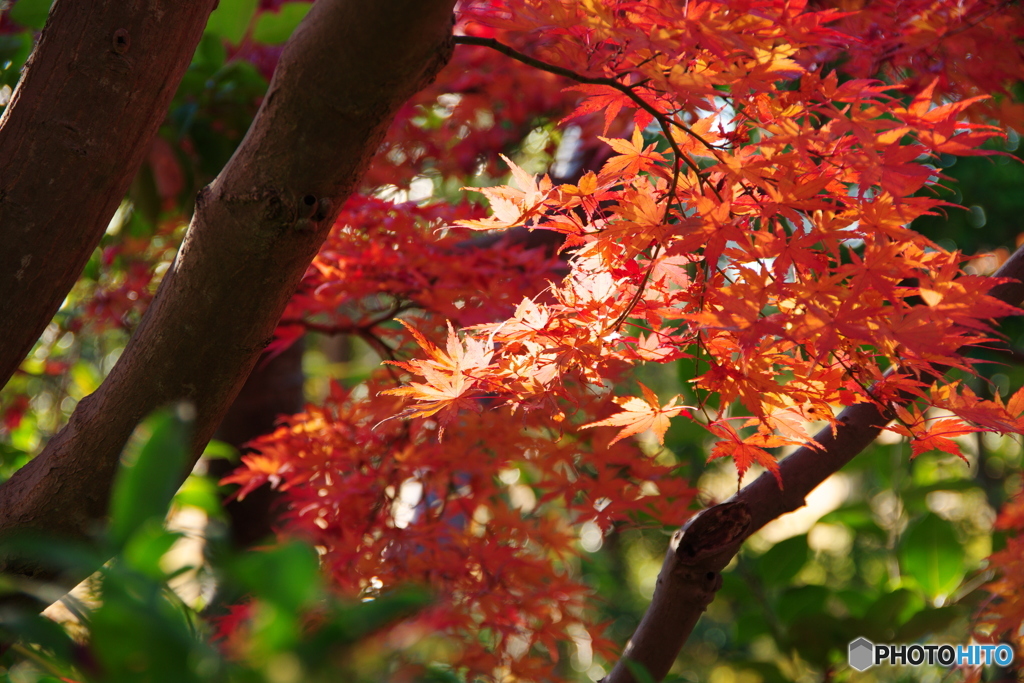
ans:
(931, 554)
(367, 617)
(220, 449)
(275, 28)
(783, 561)
(857, 516)
(31, 13)
(209, 56)
(295, 569)
(14, 50)
(274, 628)
(37, 629)
(139, 633)
(231, 19)
(200, 492)
(735, 588)
(147, 546)
(149, 474)
(750, 625)
(349, 623)
(59, 556)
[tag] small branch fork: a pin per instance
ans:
(664, 122)
(691, 573)
(363, 330)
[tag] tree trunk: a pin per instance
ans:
(343, 75)
(73, 137)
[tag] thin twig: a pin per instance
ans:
(664, 122)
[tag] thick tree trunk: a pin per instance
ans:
(257, 226)
(76, 131)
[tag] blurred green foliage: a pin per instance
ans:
(136, 628)
(897, 555)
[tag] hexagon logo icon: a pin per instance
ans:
(862, 654)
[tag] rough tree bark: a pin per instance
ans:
(73, 137)
(257, 226)
(691, 573)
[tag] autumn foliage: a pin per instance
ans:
(750, 171)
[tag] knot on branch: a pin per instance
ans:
(313, 209)
(712, 531)
(122, 41)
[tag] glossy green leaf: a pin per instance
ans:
(932, 556)
(150, 474)
(147, 547)
(220, 449)
(275, 28)
(200, 492)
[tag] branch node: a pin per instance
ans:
(712, 531)
(122, 41)
(309, 206)
(323, 209)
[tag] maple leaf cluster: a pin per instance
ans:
(751, 215)
(999, 618)
(968, 48)
(759, 229)
(487, 518)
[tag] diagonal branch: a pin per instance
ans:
(76, 131)
(345, 72)
(691, 573)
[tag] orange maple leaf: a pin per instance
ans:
(633, 157)
(746, 452)
(931, 435)
(512, 207)
(451, 376)
(640, 414)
